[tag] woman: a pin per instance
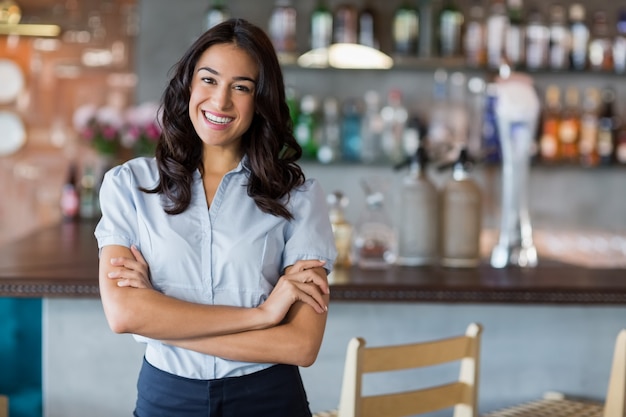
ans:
(215, 253)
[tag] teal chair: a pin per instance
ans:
(20, 356)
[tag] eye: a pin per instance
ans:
(243, 88)
(208, 80)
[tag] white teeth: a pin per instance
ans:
(217, 120)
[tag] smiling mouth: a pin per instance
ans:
(217, 120)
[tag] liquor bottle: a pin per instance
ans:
(497, 22)
(600, 44)
(216, 13)
(426, 31)
(418, 220)
(330, 134)
(282, 30)
(620, 145)
(514, 46)
(342, 229)
(438, 132)
(450, 29)
(405, 30)
(371, 128)
(474, 39)
(346, 24)
(569, 126)
(351, 130)
(306, 129)
(321, 26)
(560, 39)
(588, 144)
(551, 118)
(619, 44)
(394, 116)
(606, 127)
(368, 27)
(461, 222)
(537, 41)
(88, 198)
(580, 36)
(458, 115)
(70, 199)
(374, 243)
(491, 153)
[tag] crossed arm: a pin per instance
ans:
(287, 328)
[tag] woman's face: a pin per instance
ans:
(221, 106)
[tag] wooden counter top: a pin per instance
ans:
(62, 261)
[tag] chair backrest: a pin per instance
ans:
(4, 406)
(615, 403)
(461, 394)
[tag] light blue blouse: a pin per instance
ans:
(229, 254)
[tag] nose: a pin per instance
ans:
(221, 97)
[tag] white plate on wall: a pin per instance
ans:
(11, 80)
(12, 133)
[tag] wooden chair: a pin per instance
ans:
(4, 406)
(461, 394)
(558, 405)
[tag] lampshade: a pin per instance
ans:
(347, 56)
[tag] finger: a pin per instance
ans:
(304, 264)
(315, 276)
(318, 304)
(138, 254)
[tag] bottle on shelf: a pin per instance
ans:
(374, 243)
(371, 128)
(70, 198)
(560, 39)
(418, 214)
(425, 44)
(439, 132)
(620, 145)
(600, 43)
(537, 41)
(394, 116)
(346, 24)
(450, 27)
(368, 27)
(306, 129)
(497, 21)
(321, 26)
(569, 126)
(515, 44)
(461, 222)
(351, 129)
(474, 39)
(282, 30)
(330, 135)
(88, 194)
(607, 124)
(216, 13)
(458, 114)
(579, 35)
(619, 44)
(491, 151)
(405, 30)
(588, 144)
(549, 151)
(342, 229)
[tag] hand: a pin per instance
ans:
(303, 281)
(131, 272)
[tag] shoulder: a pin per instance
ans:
(309, 193)
(141, 171)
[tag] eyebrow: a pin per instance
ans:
(239, 78)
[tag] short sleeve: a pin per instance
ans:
(118, 224)
(309, 235)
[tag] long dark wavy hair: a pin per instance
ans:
(269, 143)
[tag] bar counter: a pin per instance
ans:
(62, 261)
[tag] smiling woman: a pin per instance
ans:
(215, 253)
